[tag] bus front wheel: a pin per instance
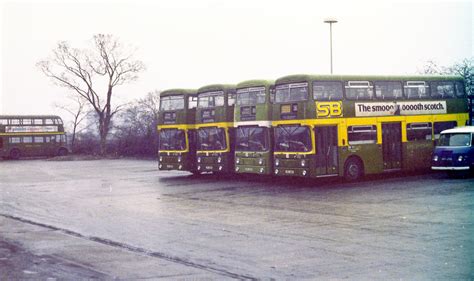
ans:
(353, 169)
(14, 154)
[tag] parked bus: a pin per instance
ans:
(454, 151)
(215, 129)
(331, 125)
(32, 135)
(252, 120)
(176, 130)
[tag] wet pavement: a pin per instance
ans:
(122, 219)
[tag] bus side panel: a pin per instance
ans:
(417, 154)
(370, 155)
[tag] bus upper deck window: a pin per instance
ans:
(59, 121)
(3, 121)
(49, 121)
(14, 121)
(442, 89)
(416, 89)
(327, 90)
(460, 90)
(26, 121)
(231, 99)
(388, 90)
(38, 121)
(192, 102)
(359, 90)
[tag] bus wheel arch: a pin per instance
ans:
(15, 154)
(353, 168)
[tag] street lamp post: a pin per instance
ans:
(330, 21)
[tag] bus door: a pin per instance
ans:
(326, 150)
(392, 145)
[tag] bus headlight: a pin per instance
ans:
(460, 158)
(180, 167)
(277, 163)
(304, 172)
(262, 170)
(237, 169)
(199, 167)
(237, 160)
(199, 159)
(179, 159)
(161, 158)
(220, 168)
(435, 158)
(303, 163)
(276, 171)
(160, 166)
(260, 161)
(219, 159)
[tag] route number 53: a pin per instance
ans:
(329, 109)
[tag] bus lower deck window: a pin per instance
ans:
(438, 127)
(419, 131)
(365, 134)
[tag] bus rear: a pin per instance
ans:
(215, 129)
(176, 130)
(252, 116)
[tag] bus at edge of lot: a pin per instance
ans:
(335, 125)
(215, 129)
(176, 130)
(252, 122)
(32, 135)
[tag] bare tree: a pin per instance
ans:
(135, 134)
(78, 111)
(465, 69)
(93, 74)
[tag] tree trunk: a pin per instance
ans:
(104, 126)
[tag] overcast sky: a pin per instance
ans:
(189, 44)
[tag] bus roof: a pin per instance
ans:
(171, 92)
(309, 77)
(464, 129)
(215, 87)
(255, 83)
(28, 116)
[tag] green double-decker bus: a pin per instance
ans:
(32, 135)
(332, 125)
(215, 129)
(176, 130)
(252, 122)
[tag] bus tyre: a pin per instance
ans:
(353, 169)
(62, 152)
(14, 154)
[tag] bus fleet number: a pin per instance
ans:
(329, 109)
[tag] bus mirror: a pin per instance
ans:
(343, 142)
